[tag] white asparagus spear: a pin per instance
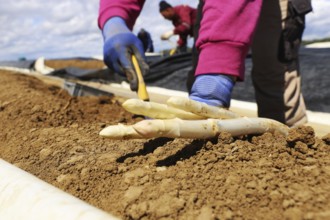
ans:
(200, 108)
(157, 110)
(199, 129)
(120, 131)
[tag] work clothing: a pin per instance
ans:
(183, 22)
(195, 52)
(275, 72)
(225, 36)
(213, 89)
(129, 10)
(146, 40)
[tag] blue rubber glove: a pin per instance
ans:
(213, 89)
(119, 45)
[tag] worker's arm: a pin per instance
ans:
(116, 20)
(225, 36)
(129, 10)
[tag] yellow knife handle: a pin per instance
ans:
(142, 90)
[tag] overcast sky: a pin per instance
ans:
(68, 28)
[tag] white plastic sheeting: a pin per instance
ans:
(24, 196)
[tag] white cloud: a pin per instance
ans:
(53, 28)
(318, 21)
(66, 28)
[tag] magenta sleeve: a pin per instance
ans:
(225, 35)
(129, 10)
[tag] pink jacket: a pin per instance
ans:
(225, 34)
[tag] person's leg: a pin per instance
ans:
(277, 84)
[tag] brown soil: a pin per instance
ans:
(55, 137)
(84, 64)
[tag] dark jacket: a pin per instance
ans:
(145, 37)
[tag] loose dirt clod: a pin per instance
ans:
(55, 137)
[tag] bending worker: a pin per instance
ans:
(223, 42)
(146, 40)
(183, 18)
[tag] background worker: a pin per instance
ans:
(183, 18)
(223, 42)
(146, 40)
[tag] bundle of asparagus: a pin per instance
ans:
(185, 118)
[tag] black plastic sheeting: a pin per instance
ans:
(315, 77)
(24, 64)
(171, 73)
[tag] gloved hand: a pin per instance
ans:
(167, 35)
(119, 45)
(213, 89)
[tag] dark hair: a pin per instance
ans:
(164, 5)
